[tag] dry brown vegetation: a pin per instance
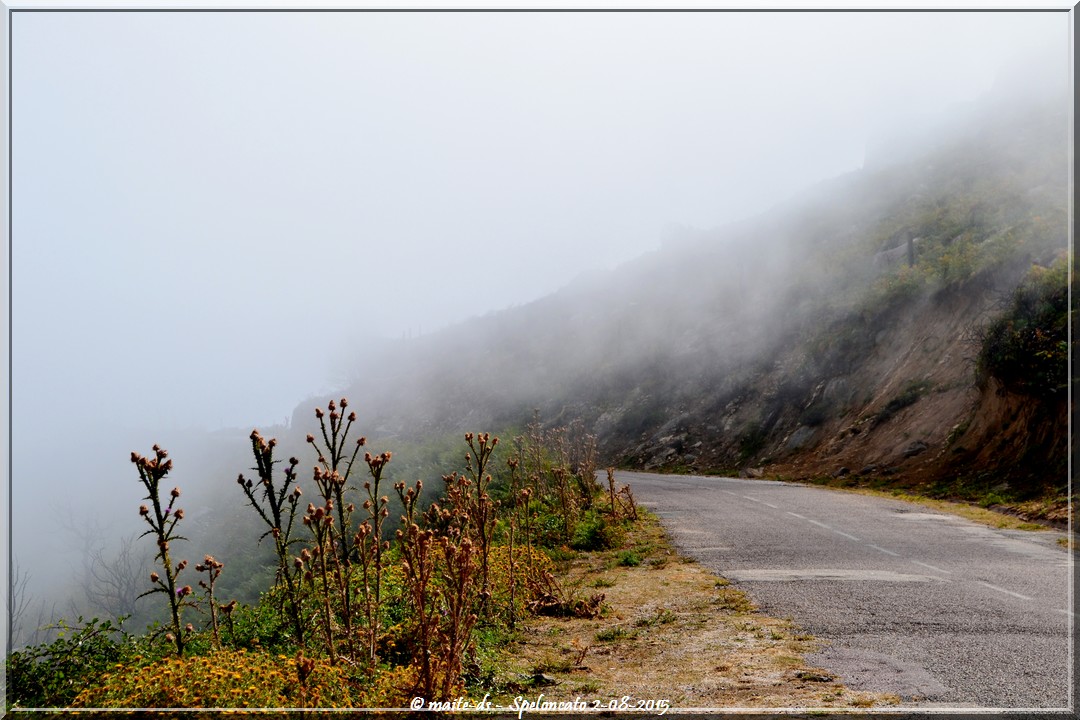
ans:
(671, 630)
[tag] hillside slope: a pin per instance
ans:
(843, 334)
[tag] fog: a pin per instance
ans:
(216, 216)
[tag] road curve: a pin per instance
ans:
(937, 609)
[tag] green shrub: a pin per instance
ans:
(259, 626)
(1026, 349)
(751, 443)
(816, 414)
(51, 675)
(910, 393)
(594, 532)
(628, 558)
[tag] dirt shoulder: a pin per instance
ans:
(672, 630)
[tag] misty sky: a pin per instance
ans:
(213, 212)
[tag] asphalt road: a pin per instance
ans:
(932, 607)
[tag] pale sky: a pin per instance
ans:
(210, 208)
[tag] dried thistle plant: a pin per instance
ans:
(458, 570)
(336, 460)
(320, 567)
(418, 565)
(277, 506)
(212, 567)
(481, 508)
(162, 522)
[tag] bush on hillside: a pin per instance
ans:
(1026, 348)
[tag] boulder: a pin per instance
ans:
(915, 448)
(800, 438)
